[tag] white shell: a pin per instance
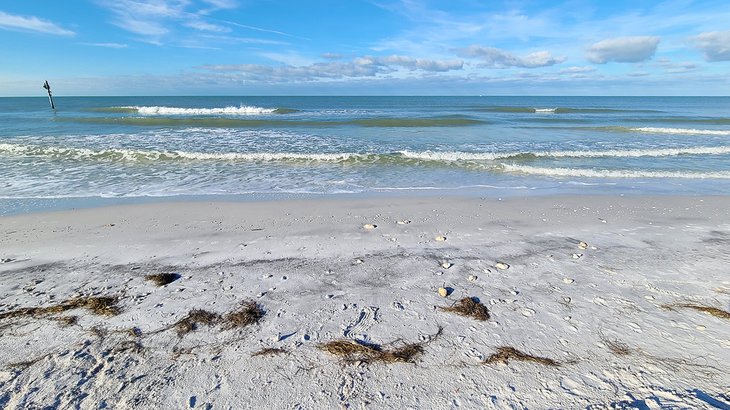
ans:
(568, 280)
(440, 239)
(582, 245)
(403, 222)
(577, 255)
(369, 226)
(501, 265)
(446, 264)
(472, 278)
(443, 292)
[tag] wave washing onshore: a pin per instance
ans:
(497, 146)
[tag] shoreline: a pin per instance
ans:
(596, 284)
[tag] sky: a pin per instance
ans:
(364, 47)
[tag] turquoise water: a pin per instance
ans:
(254, 147)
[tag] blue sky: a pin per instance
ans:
(351, 47)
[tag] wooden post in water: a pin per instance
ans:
(50, 96)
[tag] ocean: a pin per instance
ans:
(115, 149)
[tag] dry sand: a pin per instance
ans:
(570, 325)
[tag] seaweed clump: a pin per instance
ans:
(162, 279)
(700, 308)
(470, 307)
(506, 353)
(101, 305)
(352, 351)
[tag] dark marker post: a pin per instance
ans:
(50, 96)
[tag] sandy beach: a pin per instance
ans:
(590, 302)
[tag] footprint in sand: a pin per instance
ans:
(367, 318)
(634, 326)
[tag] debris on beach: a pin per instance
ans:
(446, 264)
(470, 307)
(353, 351)
(162, 279)
(472, 278)
(501, 265)
(700, 308)
(369, 227)
(582, 245)
(443, 292)
(403, 222)
(506, 353)
(103, 306)
(194, 319)
(440, 238)
(269, 351)
(249, 313)
(577, 255)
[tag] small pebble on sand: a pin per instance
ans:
(582, 245)
(446, 264)
(403, 222)
(369, 227)
(577, 255)
(568, 280)
(440, 238)
(501, 265)
(472, 278)
(443, 292)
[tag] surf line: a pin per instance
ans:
(50, 96)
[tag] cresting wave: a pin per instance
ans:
(646, 130)
(611, 173)
(559, 110)
(683, 131)
(230, 110)
(119, 154)
(227, 122)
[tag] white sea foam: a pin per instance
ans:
(437, 156)
(545, 110)
(682, 131)
(230, 110)
(612, 173)
(491, 156)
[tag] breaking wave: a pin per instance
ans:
(227, 122)
(406, 157)
(612, 173)
(559, 110)
(230, 110)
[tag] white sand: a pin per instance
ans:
(321, 276)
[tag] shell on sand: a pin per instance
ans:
(501, 265)
(472, 278)
(582, 245)
(440, 238)
(577, 255)
(443, 292)
(403, 222)
(568, 280)
(369, 226)
(446, 264)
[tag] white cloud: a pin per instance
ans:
(205, 26)
(222, 4)
(412, 63)
(623, 49)
(106, 45)
(362, 67)
(577, 70)
(494, 57)
(31, 23)
(714, 44)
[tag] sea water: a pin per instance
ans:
(283, 147)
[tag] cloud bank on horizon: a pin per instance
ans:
(169, 47)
